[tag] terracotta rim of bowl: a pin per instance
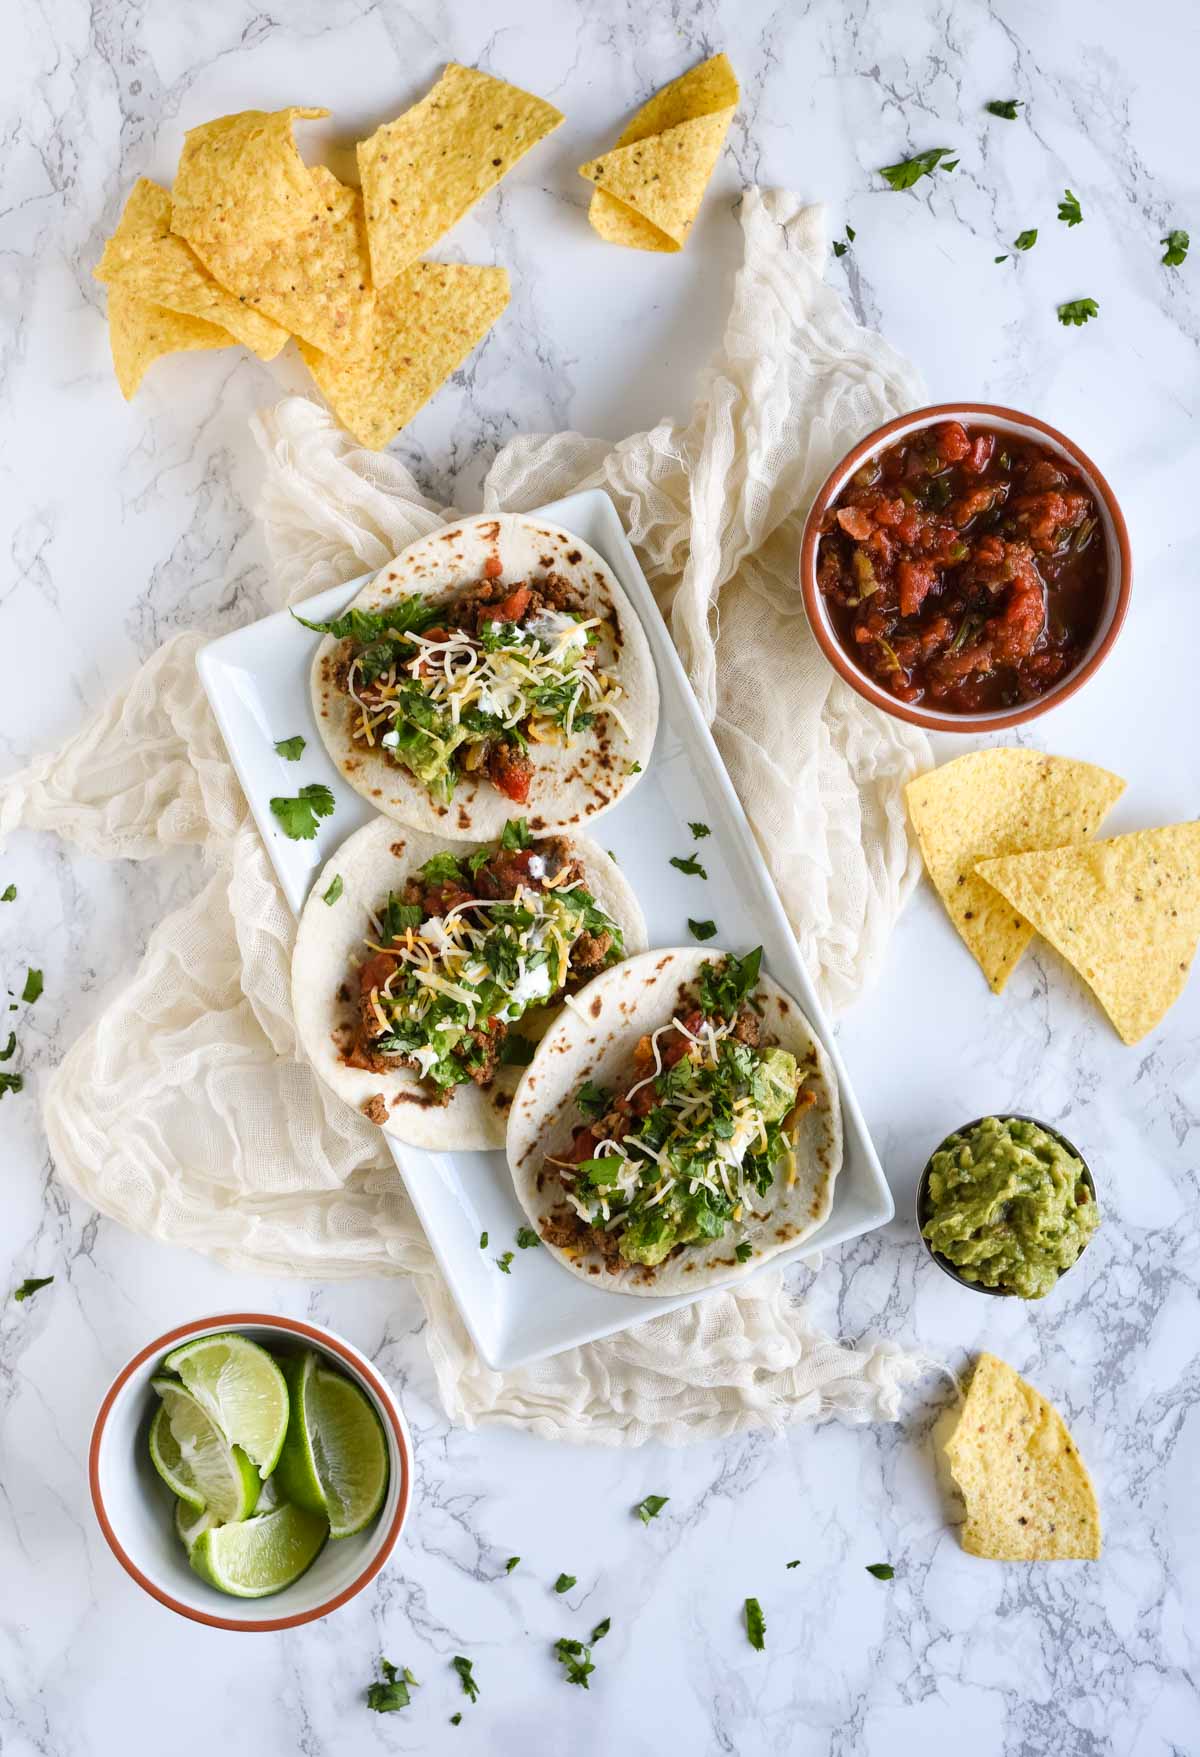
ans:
(840, 660)
(329, 1344)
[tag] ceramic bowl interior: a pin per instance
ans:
(943, 1263)
(1116, 541)
(136, 1509)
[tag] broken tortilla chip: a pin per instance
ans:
(314, 280)
(650, 186)
(143, 258)
(422, 326)
(1124, 913)
(421, 173)
(241, 181)
(140, 333)
(1028, 1494)
(997, 802)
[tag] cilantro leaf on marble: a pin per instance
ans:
(31, 1285)
(881, 1570)
(1078, 311)
(1005, 107)
(1177, 243)
(33, 986)
(1025, 240)
(8, 894)
(576, 1660)
(392, 1693)
(756, 1624)
(1069, 210)
(565, 1582)
(466, 1677)
(909, 171)
(650, 1507)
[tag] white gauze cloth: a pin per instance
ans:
(186, 1112)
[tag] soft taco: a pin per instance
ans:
(423, 972)
(678, 1126)
(493, 665)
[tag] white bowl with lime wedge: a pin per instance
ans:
(249, 1471)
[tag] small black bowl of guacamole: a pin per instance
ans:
(1006, 1205)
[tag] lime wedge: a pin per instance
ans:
(189, 1524)
(334, 1459)
(196, 1461)
(242, 1389)
(262, 1555)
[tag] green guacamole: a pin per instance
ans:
(1009, 1206)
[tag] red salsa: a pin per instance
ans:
(965, 568)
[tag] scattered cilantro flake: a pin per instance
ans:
(744, 1251)
(756, 1624)
(335, 890)
(881, 1570)
(1069, 210)
(1078, 311)
(298, 817)
(1006, 107)
(691, 866)
(412, 615)
(456, 1720)
(30, 1286)
(565, 1582)
(1177, 243)
(702, 930)
(291, 750)
(593, 1100)
(392, 1693)
(463, 1668)
(576, 1660)
(6, 1054)
(839, 247)
(601, 1629)
(527, 1238)
(483, 1241)
(909, 171)
(9, 893)
(950, 165)
(33, 986)
(700, 831)
(515, 833)
(1025, 240)
(851, 233)
(794, 1564)
(11, 1083)
(511, 1564)
(634, 769)
(651, 1507)
(1000, 259)
(504, 1263)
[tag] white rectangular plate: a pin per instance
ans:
(257, 682)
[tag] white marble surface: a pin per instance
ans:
(123, 524)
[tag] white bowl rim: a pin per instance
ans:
(329, 1343)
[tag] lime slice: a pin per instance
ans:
(194, 1458)
(334, 1459)
(189, 1524)
(262, 1555)
(243, 1390)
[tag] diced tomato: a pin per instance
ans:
(916, 580)
(375, 972)
(493, 567)
(511, 771)
(856, 522)
(980, 454)
(951, 442)
(514, 606)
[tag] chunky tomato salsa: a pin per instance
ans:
(965, 568)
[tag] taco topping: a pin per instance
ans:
(464, 950)
(464, 686)
(692, 1145)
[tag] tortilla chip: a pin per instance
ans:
(143, 258)
(421, 173)
(1125, 913)
(422, 327)
(241, 178)
(1029, 1496)
(993, 802)
(139, 333)
(704, 92)
(314, 280)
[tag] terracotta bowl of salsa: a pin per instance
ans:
(965, 567)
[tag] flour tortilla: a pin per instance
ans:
(375, 860)
(571, 786)
(593, 1039)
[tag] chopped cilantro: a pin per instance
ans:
(1000, 259)
(756, 1624)
(650, 1507)
(881, 1570)
(593, 1100)
(1078, 311)
(11, 1083)
(456, 1720)
(700, 831)
(1006, 107)
(1069, 210)
(298, 817)
(411, 615)
(392, 1693)
(601, 1629)
(691, 866)
(565, 1582)
(483, 1241)
(744, 1251)
(8, 894)
(702, 930)
(511, 1564)
(463, 1668)
(290, 749)
(839, 249)
(527, 1238)
(909, 171)
(504, 1263)
(30, 1286)
(576, 1660)
(1025, 240)
(6, 1054)
(634, 769)
(724, 986)
(1177, 248)
(33, 986)
(335, 890)
(794, 1564)
(515, 833)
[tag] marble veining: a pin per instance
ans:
(123, 525)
